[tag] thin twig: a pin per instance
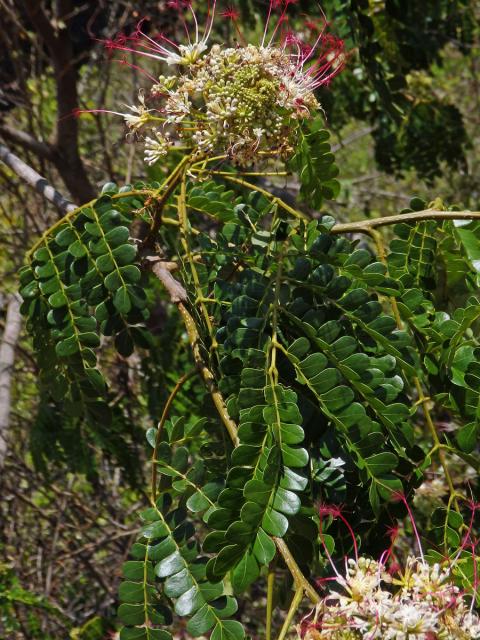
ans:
(298, 577)
(297, 599)
(161, 424)
(13, 323)
(270, 586)
(364, 226)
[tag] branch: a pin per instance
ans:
(25, 140)
(35, 180)
(41, 23)
(7, 359)
(179, 296)
(355, 136)
(175, 290)
(300, 581)
(298, 578)
(365, 226)
(60, 47)
(207, 375)
(161, 424)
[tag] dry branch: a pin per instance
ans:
(35, 180)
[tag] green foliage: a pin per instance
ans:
(315, 165)
(314, 348)
(83, 289)
(434, 263)
(94, 629)
(389, 83)
(167, 551)
(433, 133)
(57, 438)
(12, 595)
(87, 263)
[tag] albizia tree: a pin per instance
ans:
(314, 361)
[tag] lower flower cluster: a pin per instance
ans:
(419, 603)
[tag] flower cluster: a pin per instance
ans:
(420, 603)
(240, 102)
(383, 600)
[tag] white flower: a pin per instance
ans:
(240, 102)
(425, 605)
(156, 148)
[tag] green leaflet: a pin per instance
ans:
(346, 351)
(315, 164)
(414, 251)
(82, 281)
(262, 485)
(167, 556)
(214, 200)
(441, 256)
(188, 482)
(141, 609)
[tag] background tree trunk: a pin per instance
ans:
(13, 323)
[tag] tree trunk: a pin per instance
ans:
(8, 343)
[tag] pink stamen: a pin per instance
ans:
(335, 512)
(113, 45)
(475, 579)
(195, 22)
(269, 14)
(280, 21)
(467, 537)
(327, 553)
(320, 581)
(402, 498)
(125, 62)
(231, 14)
(210, 19)
(156, 46)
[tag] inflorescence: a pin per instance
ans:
(410, 600)
(420, 603)
(236, 101)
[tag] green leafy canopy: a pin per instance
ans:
(315, 353)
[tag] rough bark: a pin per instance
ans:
(64, 152)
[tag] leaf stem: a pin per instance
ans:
(378, 240)
(184, 226)
(297, 599)
(423, 400)
(161, 424)
(274, 199)
(441, 453)
(251, 173)
(74, 212)
(365, 226)
(207, 375)
(298, 578)
(270, 585)
(166, 190)
(178, 295)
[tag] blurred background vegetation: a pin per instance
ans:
(405, 121)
